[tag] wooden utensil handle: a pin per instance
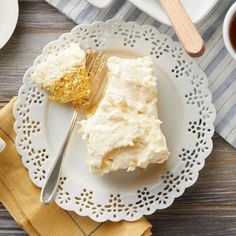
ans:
(184, 28)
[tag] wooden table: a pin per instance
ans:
(207, 208)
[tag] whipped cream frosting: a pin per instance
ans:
(124, 132)
(64, 76)
(55, 66)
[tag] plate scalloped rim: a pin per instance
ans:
(173, 182)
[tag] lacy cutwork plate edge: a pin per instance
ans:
(185, 107)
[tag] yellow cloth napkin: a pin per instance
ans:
(21, 197)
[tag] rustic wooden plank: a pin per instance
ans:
(42, 16)
(207, 208)
(194, 222)
(7, 224)
(3, 103)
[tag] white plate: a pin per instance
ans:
(196, 9)
(184, 107)
(9, 11)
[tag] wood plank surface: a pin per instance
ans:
(207, 208)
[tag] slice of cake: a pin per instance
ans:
(124, 131)
(64, 76)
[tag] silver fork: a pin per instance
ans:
(95, 65)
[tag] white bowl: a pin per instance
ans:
(226, 27)
(9, 12)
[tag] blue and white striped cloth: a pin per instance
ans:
(218, 65)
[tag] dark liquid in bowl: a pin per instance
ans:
(232, 32)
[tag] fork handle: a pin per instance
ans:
(49, 189)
